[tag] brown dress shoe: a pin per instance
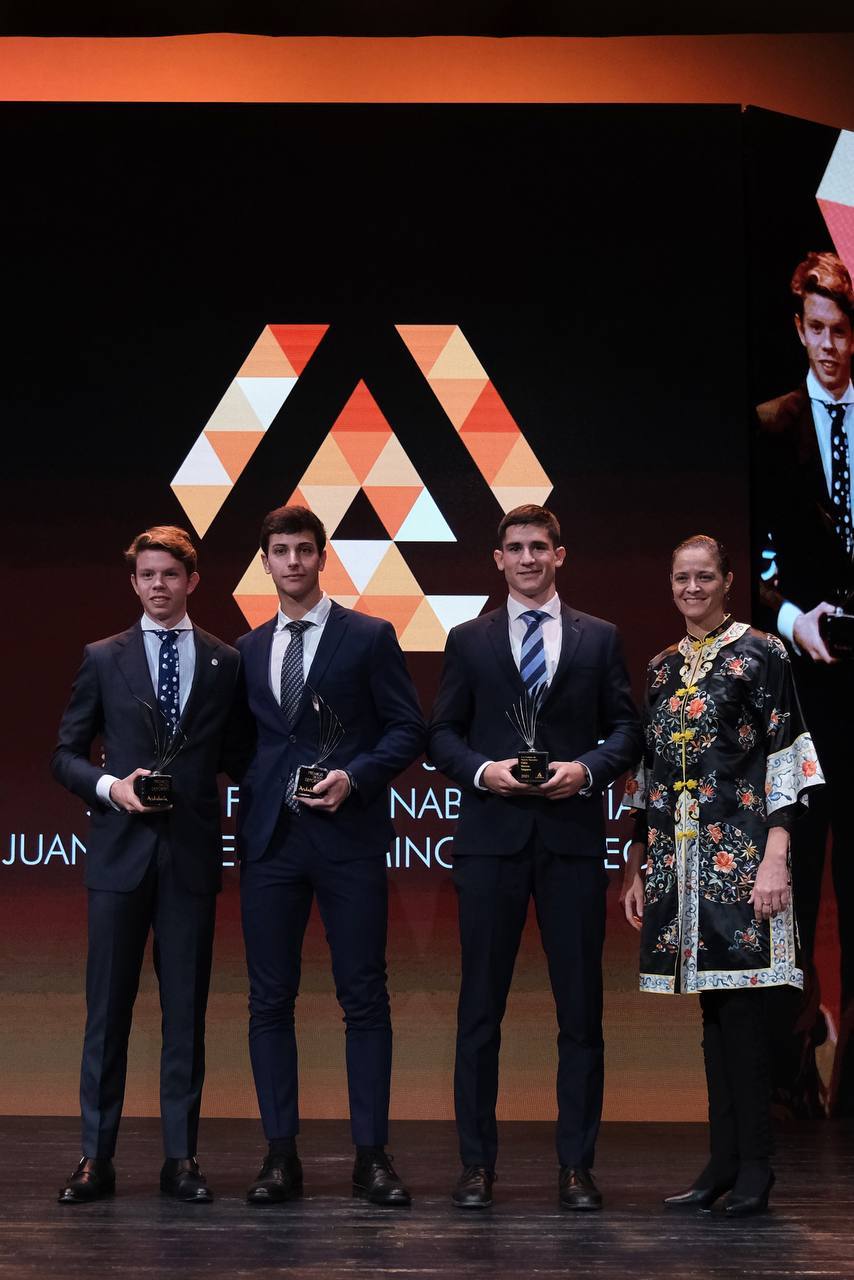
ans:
(93, 1178)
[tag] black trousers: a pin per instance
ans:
(119, 923)
(276, 894)
(493, 895)
(735, 1054)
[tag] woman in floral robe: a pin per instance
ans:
(727, 759)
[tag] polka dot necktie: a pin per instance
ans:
(291, 685)
(532, 660)
(168, 686)
(840, 475)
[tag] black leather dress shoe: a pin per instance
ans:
(375, 1179)
(745, 1206)
(279, 1179)
(91, 1180)
(699, 1197)
(578, 1190)
(184, 1180)
(474, 1188)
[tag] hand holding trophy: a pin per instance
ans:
(330, 731)
(532, 766)
(154, 789)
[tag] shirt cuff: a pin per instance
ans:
(479, 775)
(786, 619)
(588, 790)
(102, 789)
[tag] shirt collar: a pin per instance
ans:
(816, 391)
(149, 624)
(317, 615)
(516, 608)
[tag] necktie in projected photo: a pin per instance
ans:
(840, 475)
(292, 683)
(168, 684)
(532, 661)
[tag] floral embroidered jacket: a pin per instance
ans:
(727, 756)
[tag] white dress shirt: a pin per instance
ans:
(310, 640)
(819, 398)
(186, 646)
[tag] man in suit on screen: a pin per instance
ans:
(149, 869)
(803, 532)
(517, 841)
(330, 845)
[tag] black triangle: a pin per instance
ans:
(361, 521)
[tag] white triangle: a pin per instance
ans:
(838, 181)
(425, 523)
(266, 395)
(202, 466)
(452, 610)
(360, 557)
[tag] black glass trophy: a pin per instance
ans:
(837, 629)
(330, 731)
(532, 766)
(154, 789)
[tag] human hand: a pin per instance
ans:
(330, 793)
(771, 892)
(497, 777)
(124, 797)
(807, 636)
(631, 897)
(567, 779)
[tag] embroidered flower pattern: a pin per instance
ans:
(746, 939)
(668, 938)
(707, 788)
(776, 718)
(737, 667)
(747, 797)
(728, 862)
(661, 865)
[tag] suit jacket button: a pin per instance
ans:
(292, 738)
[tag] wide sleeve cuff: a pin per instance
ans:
(790, 773)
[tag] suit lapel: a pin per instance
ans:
(499, 637)
(204, 676)
(133, 664)
(333, 633)
(569, 640)
(808, 453)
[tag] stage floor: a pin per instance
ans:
(329, 1236)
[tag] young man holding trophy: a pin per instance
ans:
(160, 697)
(533, 718)
(337, 719)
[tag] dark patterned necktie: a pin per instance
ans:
(840, 475)
(168, 685)
(291, 685)
(532, 660)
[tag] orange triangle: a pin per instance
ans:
(201, 502)
(489, 413)
(489, 450)
(393, 503)
(457, 396)
(335, 579)
(397, 610)
(266, 359)
(328, 466)
(393, 576)
(361, 448)
(298, 341)
(256, 609)
(521, 467)
(425, 633)
(361, 413)
(234, 448)
(425, 342)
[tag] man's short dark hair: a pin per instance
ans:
(530, 513)
(164, 537)
(827, 275)
(292, 520)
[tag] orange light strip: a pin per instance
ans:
(805, 75)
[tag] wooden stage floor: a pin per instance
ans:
(329, 1236)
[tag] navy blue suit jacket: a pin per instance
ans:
(589, 699)
(107, 702)
(360, 671)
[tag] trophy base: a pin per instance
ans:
(532, 768)
(154, 790)
(837, 632)
(308, 775)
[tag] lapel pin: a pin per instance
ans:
(214, 662)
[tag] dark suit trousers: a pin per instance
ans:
(276, 894)
(569, 896)
(735, 1053)
(119, 923)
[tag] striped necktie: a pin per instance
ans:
(532, 660)
(291, 685)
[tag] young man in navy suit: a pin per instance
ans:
(516, 841)
(148, 868)
(331, 846)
